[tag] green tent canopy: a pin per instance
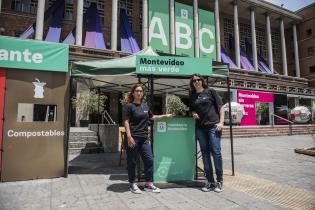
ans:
(117, 66)
(119, 75)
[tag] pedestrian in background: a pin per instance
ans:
(207, 109)
(136, 121)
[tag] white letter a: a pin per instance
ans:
(161, 35)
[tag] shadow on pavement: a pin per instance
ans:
(99, 163)
(118, 187)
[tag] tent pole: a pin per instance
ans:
(66, 144)
(152, 107)
(230, 119)
(98, 113)
(151, 92)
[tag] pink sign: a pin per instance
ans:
(249, 100)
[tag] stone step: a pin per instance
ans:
(83, 144)
(266, 131)
(85, 133)
(83, 138)
(89, 150)
(256, 131)
(260, 135)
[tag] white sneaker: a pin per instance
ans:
(152, 188)
(218, 187)
(208, 187)
(135, 189)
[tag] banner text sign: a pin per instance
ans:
(250, 99)
(176, 66)
(35, 55)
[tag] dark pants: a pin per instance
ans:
(210, 142)
(143, 147)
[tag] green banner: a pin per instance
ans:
(174, 149)
(207, 34)
(35, 55)
(159, 34)
(171, 65)
(184, 30)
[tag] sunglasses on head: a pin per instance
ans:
(196, 80)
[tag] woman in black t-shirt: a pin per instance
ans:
(207, 109)
(136, 118)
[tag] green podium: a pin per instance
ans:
(174, 149)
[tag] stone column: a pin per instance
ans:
(269, 43)
(283, 49)
(217, 29)
(40, 20)
(79, 24)
(144, 24)
(113, 42)
(236, 36)
(254, 45)
(296, 52)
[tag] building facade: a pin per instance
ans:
(282, 38)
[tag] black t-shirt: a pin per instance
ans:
(207, 105)
(138, 116)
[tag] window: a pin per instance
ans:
(228, 30)
(100, 8)
(261, 42)
(69, 10)
(310, 51)
(127, 5)
(20, 6)
(309, 32)
(33, 6)
(312, 69)
(245, 34)
(275, 39)
(37, 112)
(68, 15)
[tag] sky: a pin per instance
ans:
(292, 5)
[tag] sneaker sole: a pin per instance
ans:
(151, 191)
(135, 192)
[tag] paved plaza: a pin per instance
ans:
(268, 175)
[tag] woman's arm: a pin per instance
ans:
(131, 141)
(157, 117)
(221, 123)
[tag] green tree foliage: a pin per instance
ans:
(174, 105)
(89, 103)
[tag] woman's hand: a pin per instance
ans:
(195, 116)
(219, 126)
(169, 115)
(131, 142)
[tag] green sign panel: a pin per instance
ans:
(171, 65)
(207, 34)
(184, 25)
(159, 33)
(159, 25)
(174, 149)
(35, 55)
